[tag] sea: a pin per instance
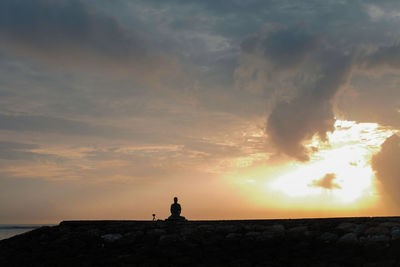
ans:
(9, 230)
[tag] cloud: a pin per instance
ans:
(301, 72)
(372, 95)
(283, 48)
(374, 99)
(70, 33)
(47, 124)
(326, 182)
(292, 123)
(383, 56)
(22, 151)
(300, 77)
(67, 128)
(387, 168)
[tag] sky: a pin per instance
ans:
(245, 109)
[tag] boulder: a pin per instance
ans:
(233, 236)
(253, 235)
(267, 236)
(299, 232)
(348, 239)
(156, 232)
(378, 230)
(389, 224)
(168, 239)
(111, 237)
(359, 229)
(395, 234)
(206, 228)
(328, 237)
(227, 228)
(378, 239)
(187, 231)
(278, 230)
(128, 238)
(346, 227)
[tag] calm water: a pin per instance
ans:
(7, 231)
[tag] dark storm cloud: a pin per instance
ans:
(67, 32)
(285, 49)
(387, 168)
(326, 182)
(297, 58)
(301, 70)
(292, 123)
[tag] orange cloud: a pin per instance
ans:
(326, 182)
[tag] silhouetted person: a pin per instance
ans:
(176, 211)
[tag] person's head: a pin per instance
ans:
(175, 200)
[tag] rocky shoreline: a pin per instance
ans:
(372, 241)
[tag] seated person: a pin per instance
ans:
(176, 211)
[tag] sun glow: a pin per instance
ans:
(338, 175)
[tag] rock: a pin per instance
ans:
(227, 228)
(298, 232)
(156, 232)
(273, 232)
(240, 263)
(94, 232)
(139, 234)
(384, 263)
(349, 238)
(250, 227)
(111, 237)
(233, 236)
(187, 231)
(206, 228)
(346, 227)
(205, 243)
(328, 237)
(359, 229)
(395, 234)
(378, 230)
(278, 230)
(128, 238)
(253, 235)
(267, 236)
(259, 228)
(377, 243)
(168, 239)
(389, 224)
(378, 239)
(363, 239)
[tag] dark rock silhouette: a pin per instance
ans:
(368, 241)
(176, 211)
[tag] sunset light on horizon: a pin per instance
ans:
(338, 176)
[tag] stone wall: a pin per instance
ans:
(305, 242)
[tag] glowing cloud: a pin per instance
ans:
(326, 182)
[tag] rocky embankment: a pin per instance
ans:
(300, 242)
